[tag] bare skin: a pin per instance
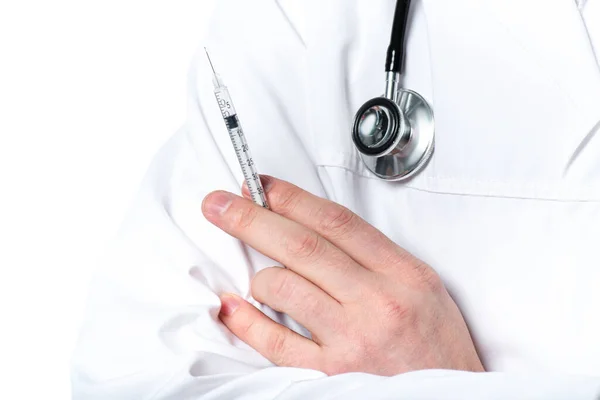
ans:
(369, 305)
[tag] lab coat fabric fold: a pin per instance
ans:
(507, 211)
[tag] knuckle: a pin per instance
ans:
(282, 286)
(248, 329)
(275, 345)
(245, 216)
(393, 310)
(305, 246)
(427, 278)
(417, 273)
(312, 307)
(286, 200)
(337, 220)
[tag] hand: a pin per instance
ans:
(369, 305)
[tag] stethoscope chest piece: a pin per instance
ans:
(394, 134)
(395, 137)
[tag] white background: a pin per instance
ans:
(89, 90)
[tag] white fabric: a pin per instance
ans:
(507, 211)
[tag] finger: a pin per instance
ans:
(285, 291)
(275, 342)
(360, 240)
(295, 246)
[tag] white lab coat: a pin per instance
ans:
(507, 211)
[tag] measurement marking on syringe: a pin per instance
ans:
(238, 140)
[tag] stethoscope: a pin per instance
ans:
(394, 134)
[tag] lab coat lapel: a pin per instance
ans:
(555, 34)
(346, 42)
(506, 67)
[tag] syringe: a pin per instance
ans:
(238, 139)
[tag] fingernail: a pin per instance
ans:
(229, 303)
(217, 203)
(266, 181)
(245, 191)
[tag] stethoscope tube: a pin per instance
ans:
(396, 50)
(394, 133)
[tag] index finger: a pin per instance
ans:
(346, 230)
(297, 247)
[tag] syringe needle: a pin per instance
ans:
(209, 61)
(217, 82)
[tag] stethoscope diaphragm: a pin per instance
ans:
(394, 134)
(395, 139)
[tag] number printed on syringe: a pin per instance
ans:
(236, 134)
